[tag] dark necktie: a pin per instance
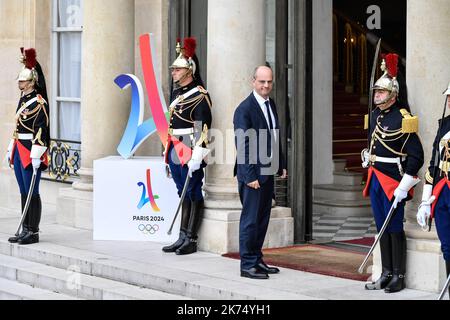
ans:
(268, 114)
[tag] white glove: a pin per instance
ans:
(423, 214)
(36, 163)
(8, 153)
(405, 185)
(365, 158)
(400, 194)
(198, 154)
(193, 166)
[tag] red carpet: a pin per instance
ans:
(368, 241)
(319, 259)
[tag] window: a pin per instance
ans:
(67, 29)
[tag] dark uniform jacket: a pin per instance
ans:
(391, 138)
(437, 173)
(195, 108)
(441, 141)
(34, 120)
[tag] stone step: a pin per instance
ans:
(73, 283)
(347, 178)
(342, 208)
(181, 282)
(339, 165)
(12, 290)
(338, 192)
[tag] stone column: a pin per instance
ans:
(18, 30)
(236, 45)
(323, 91)
(428, 74)
(108, 50)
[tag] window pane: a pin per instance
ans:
(69, 121)
(69, 64)
(270, 32)
(70, 13)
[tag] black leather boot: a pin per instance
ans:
(190, 243)
(386, 264)
(23, 199)
(397, 282)
(34, 219)
(185, 214)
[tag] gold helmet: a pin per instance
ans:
(447, 92)
(185, 55)
(388, 80)
(28, 72)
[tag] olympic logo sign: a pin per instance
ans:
(138, 130)
(148, 228)
(147, 194)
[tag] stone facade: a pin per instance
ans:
(109, 35)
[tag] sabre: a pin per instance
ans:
(203, 138)
(183, 194)
(383, 229)
(447, 283)
(372, 80)
(380, 234)
(27, 203)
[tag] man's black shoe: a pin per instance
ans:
(262, 266)
(254, 273)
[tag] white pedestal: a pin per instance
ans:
(134, 200)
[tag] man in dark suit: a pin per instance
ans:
(259, 157)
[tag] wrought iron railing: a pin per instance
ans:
(64, 160)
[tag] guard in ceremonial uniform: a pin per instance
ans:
(190, 119)
(394, 157)
(27, 151)
(436, 191)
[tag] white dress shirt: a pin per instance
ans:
(261, 101)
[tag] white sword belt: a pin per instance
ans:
(398, 161)
(181, 132)
(25, 136)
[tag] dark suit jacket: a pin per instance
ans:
(251, 163)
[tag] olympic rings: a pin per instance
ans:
(148, 229)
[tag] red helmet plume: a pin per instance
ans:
(29, 57)
(190, 44)
(392, 64)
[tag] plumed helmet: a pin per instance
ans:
(185, 55)
(28, 72)
(388, 80)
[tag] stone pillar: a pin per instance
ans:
(428, 74)
(18, 30)
(323, 91)
(108, 50)
(236, 45)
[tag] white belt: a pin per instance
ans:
(25, 136)
(181, 132)
(398, 160)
